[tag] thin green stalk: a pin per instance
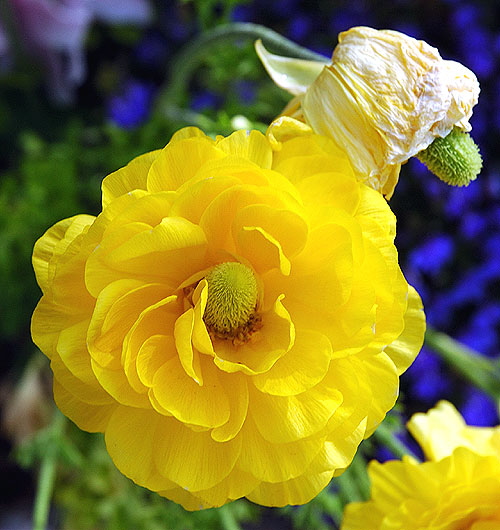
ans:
(350, 488)
(360, 474)
(387, 438)
(193, 55)
(479, 370)
(330, 504)
(227, 518)
(47, 475)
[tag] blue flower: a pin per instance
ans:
(434, 254)
(479, 409)
(428, 377)
(132, 105)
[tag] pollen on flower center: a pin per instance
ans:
(232, 300)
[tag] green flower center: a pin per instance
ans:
(232, 300)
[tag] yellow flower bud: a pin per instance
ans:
(383, 98)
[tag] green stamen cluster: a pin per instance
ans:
(455, 159)
(232, 298)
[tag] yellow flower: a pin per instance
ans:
(458, 487)
(383, 98)
(235, 320)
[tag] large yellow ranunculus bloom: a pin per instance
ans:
(458, 488)
(383, 98)
(235, 320)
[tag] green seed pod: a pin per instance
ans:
(455, 159)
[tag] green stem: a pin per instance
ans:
(331, 504)
(351, 483)
(193, 55)
(227, 518)
(477, 369)
(387, 438)
(47, 476)
(361, 476)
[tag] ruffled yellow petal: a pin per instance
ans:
(91, 393)
(172, 168)
(237, 484)
(153, 354)
(116, 383)
(188, 357)
(288, 229)
(236, 388)
(53, 244)
(303, 367)
(131, 177)
(411, 339)
(89, 417)
(442, 429)
(153, 320)
(250, 145)
(259, 354)
(285, 128)
(194, 461)
(271, 462)
(205, 405)
(170, 251)
(291, 418)
(221, 212)
(130, 440)
(72, 349)
(267, 252)
(294, 491)
(117, 308)
(381, 370)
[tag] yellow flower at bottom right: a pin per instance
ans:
(457, 488)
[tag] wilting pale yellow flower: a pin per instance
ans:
(383, 98)
(235, 320)
(458, 488)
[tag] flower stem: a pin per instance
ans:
(193, 55)
(227, 518)
(47, 475)
(386, 437)
(476, 368)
